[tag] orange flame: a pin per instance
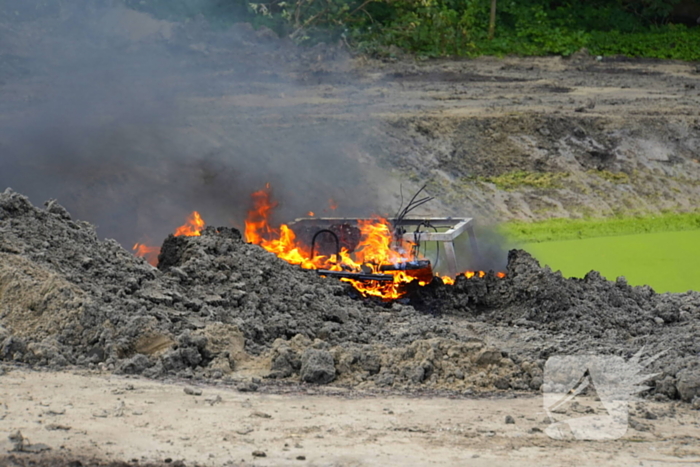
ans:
(373, 251)
(447, 280)
(192, 228)
(149, 253)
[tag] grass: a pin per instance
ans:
(522, 178)
(662, 251)
(570, 229)
(612, 177)
(667, 261)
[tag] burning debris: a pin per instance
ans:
(378, 256)
(192, 228)
(218, 305)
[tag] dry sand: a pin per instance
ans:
(80, 414)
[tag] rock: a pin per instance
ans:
(247, 386)
(338, 315)
(17, 441)
(12, 348)
(57, 427)
(371, 363)
(135, 365)
(667, 387)
(637, 425)
(688, 383)
(668, 312)
(192, 391)
(301, 458)
(384, 380)
(317, 366)
(417, 375)
(510, 420)
(56, 209)
(259, 454)
(501, 383)
(695, 403)
(489, 357)
(284, 364)
(20, 444)
(36, 448)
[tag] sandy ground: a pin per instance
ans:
(80, 414)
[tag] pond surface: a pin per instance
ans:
(667, 261)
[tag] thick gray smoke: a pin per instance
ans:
(132, 123)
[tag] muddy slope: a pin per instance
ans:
(532, 165)
(221, 308)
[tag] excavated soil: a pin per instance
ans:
(221, 308)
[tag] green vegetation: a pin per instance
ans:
(569, 229)
(521, 178)
(667, 261)
(431, 28)
(661, 251)
(613, 177)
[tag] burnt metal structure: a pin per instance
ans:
(445, 231)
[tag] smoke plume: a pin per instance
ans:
(133, 122)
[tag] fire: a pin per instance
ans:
(192, 228)
(149, 253)
(374, 254)
(447, 280)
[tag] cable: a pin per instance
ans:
(412, 204)
(417, 242)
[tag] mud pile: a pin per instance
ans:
(218, 307)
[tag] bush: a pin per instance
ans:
(435, 28)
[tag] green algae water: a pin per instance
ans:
(667, 261)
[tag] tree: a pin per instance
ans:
(492, 20)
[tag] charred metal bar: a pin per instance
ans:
(406, 266)
(359, 276)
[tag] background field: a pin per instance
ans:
(661, 251)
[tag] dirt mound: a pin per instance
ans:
(574, 316)
(218, 307)
(119, 311)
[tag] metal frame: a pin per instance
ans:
(455, 228)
